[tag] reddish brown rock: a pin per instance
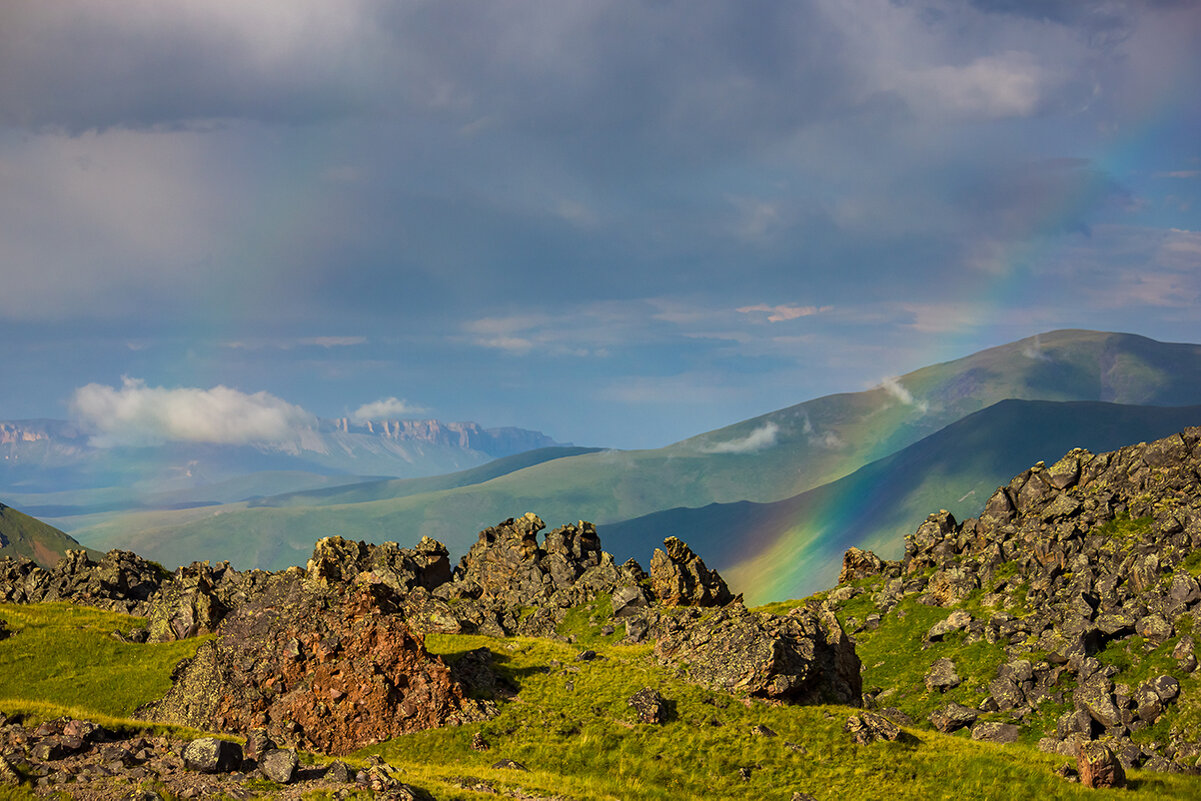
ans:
(328, 670)
(1098, 766)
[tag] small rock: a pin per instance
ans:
(942, 676)
(956, 621)
(762, 731)
(478, 743)
(338, 772)
(279, 765)
(649, 704)
(585, 656)
(995, 732)
(510, 764)
(952, 717)
(868, 727)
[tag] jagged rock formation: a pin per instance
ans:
(679, 578)
(121, 581)
(1068, 559)
(331, 657)
(802, 657)
(327, 670)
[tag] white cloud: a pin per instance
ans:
(385, 409)
(761, 438)
(782, 312)
(135, 414)
(893, 386)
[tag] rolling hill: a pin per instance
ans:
(22, 535)
(763, 460)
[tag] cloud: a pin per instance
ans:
(893, 386)
(778, 314)
(135, 414)
(385, 409)
(760, 439)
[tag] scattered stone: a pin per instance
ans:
(1098, 766)
(868, 727)
(953, 717)
(956, 621)
(478, 743)
(857, 564)
(942, 676)
(762, 731)
(338, 772)
(509, 764)
(649, 704)
(995, 732)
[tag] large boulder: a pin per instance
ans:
(679, 577)
(802, 657)
(325, 669)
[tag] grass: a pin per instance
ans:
(571, 725)
(62, 659)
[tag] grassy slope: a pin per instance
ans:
(957, 469)
(571, 726)
(29, 537)
(815, 443)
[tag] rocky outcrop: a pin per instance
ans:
(802, 657)
(121, 581)
(321, 669)
(679, 577)
(1095, 550)
(508, 583)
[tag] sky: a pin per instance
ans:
(620, 223)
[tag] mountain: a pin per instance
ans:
(22, 535)
(62, 470)
(763, 460)
(791, 548)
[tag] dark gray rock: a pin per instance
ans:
(953, 717)
(279, 765)
(942, 676)
(867, 727)
(649, 704)
(802, 657)
(995, 732)
(211, 755)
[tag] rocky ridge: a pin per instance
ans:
(1085, 575)
(331, 657)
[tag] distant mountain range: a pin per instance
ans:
(772, 477)
(53, 468)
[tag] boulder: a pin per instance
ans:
(995, 732)
(679, 577)
(212, 755)
(802, 657)
(953, 717)
(956, 621)
(942, 676)
(279, 765)
(324, 669)
(1099, 767)
(857, 564)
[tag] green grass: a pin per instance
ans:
(62, 659)
(572, 727)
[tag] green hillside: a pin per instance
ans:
(22, 535)
(765, 459)
(792, 548)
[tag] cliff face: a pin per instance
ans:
(1084, 575)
